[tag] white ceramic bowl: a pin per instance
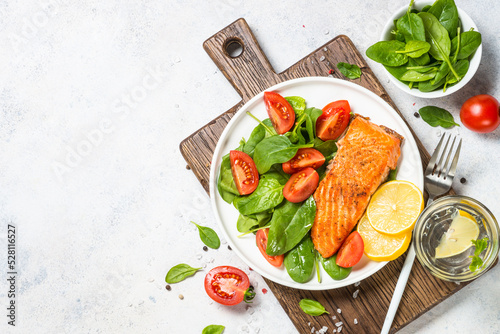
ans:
(467, 23)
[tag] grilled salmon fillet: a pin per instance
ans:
(364, 158)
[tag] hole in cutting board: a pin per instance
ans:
(233, 47)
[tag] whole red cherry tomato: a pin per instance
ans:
(480, 113)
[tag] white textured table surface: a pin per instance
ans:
(95, 97)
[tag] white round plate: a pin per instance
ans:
(318, 92)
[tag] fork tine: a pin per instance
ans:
(445, 166)
(432, 161)
(440, 167)
(453, 168)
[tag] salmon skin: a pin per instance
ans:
(364, 158)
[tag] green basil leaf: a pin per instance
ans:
(384, 52)
(179, 273)
(435, 116)
(290, 223)
(469, 42)
(298, 104)
(312, 307)
(213, 329)
(269, 194)
(333, 270)
(208, 236)
(447, 14)
(412, 27)
(272, 150)
(437, 36)
(299, 262)
(351, 71)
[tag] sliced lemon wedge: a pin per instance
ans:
(458, 237)
(395, 207)
(382, 247)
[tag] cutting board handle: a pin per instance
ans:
(238, 55)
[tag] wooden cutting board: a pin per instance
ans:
(250, 73)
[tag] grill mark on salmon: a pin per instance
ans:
(365, 155)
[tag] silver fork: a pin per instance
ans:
(438, 178)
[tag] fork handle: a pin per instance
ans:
(398, 291)
(400, 286)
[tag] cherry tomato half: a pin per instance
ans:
(228, 285)
(261, 239)
(351, 251)
(245, 174)
(335, 118)
(280, 112)
(480, 113)
(301, 185)
(305, 157)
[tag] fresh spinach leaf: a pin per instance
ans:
(276, 172)
(213, 329)
(415, 49)
(208, 236)
(225, 183)
(435, 116)
(384, 52)
(272, 150)
(325, 147)
(412, 27)
(179, 273)
(333, 270)
(412, 75)
(247, 223)
(298, 104)
(461, 68)
(447, 14)
(351, 71)
(437, 36)
(299, 262)
(420, 61)
(312, 307)
(269, 194)
(392, 174)
(257, 135)
(314, 114)
(428, 86)
(290, 223)
(469, 42)
(426, 8)
(442, 72)
(397, 72)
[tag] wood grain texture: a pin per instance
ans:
(251, 73)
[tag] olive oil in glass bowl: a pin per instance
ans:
(434, 224)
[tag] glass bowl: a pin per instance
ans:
(435, 220)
